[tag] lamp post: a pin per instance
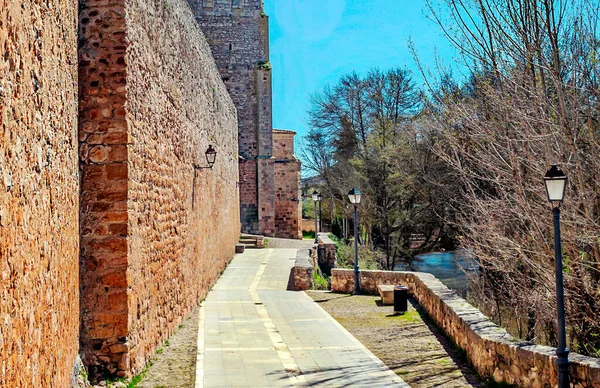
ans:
(354, 196)
(315, 197)
(556, 181)
(320, 213)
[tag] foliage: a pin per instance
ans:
(365, 132)
(320, 282)
(264, 65)
(308, 234)
(367, 258)
(531, 99)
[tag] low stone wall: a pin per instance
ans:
(493, 352)
(308, 225)
(326, 254)
(302, 272)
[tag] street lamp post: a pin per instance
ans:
(320, 213)
(556, 181)
(315, 197)
(354, 196)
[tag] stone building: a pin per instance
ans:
(288, 194)
(238, 34)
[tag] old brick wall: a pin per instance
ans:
(158, 230)
(184, 223)
(288, 203)
(493, 352)
(39, 200)
(103, 137)
(239, 40)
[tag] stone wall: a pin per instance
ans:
(39, 197)
(327, 254)
(288, 202)
(239, 40)
(302, 272)
(157, 227)
(308, 224)
(491, 350)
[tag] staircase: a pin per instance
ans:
(249, 241)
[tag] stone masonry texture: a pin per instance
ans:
(39, 200)
(156, 230)
(288, 203)
(492, 351)
(238, 35)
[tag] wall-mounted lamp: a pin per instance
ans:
(211, 156)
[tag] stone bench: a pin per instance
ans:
(386, 291)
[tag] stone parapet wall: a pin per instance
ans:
(308, 225)
(327, 254)
(158, 227)
(302, 272)
(39, 193)
(492, 351)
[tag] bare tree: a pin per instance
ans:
(532, 99)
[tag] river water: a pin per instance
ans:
(450, 267)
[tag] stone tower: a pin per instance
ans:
(238, 34)
(288, 205)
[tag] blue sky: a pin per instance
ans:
(314, 42)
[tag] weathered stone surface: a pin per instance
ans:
(156, 231)
(492, 351)
(288, 191)
(327, 258)
(302, 272)
(39, 195)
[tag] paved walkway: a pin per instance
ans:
(254, 333)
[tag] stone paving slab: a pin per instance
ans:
(254, 333)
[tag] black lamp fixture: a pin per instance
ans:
(315, 195)
(211, 156)
(354, 196)
(556, 182)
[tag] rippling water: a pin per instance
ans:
(449, 267)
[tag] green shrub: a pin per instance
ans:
(367, 259)
(308, 234)
(319, 282)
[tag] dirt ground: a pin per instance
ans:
(409, 344)
(174, 365)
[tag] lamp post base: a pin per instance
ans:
(562, 364)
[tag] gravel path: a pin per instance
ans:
(409, 344)
(174, 365)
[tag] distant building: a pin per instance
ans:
(238, 34)
(288, 195)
